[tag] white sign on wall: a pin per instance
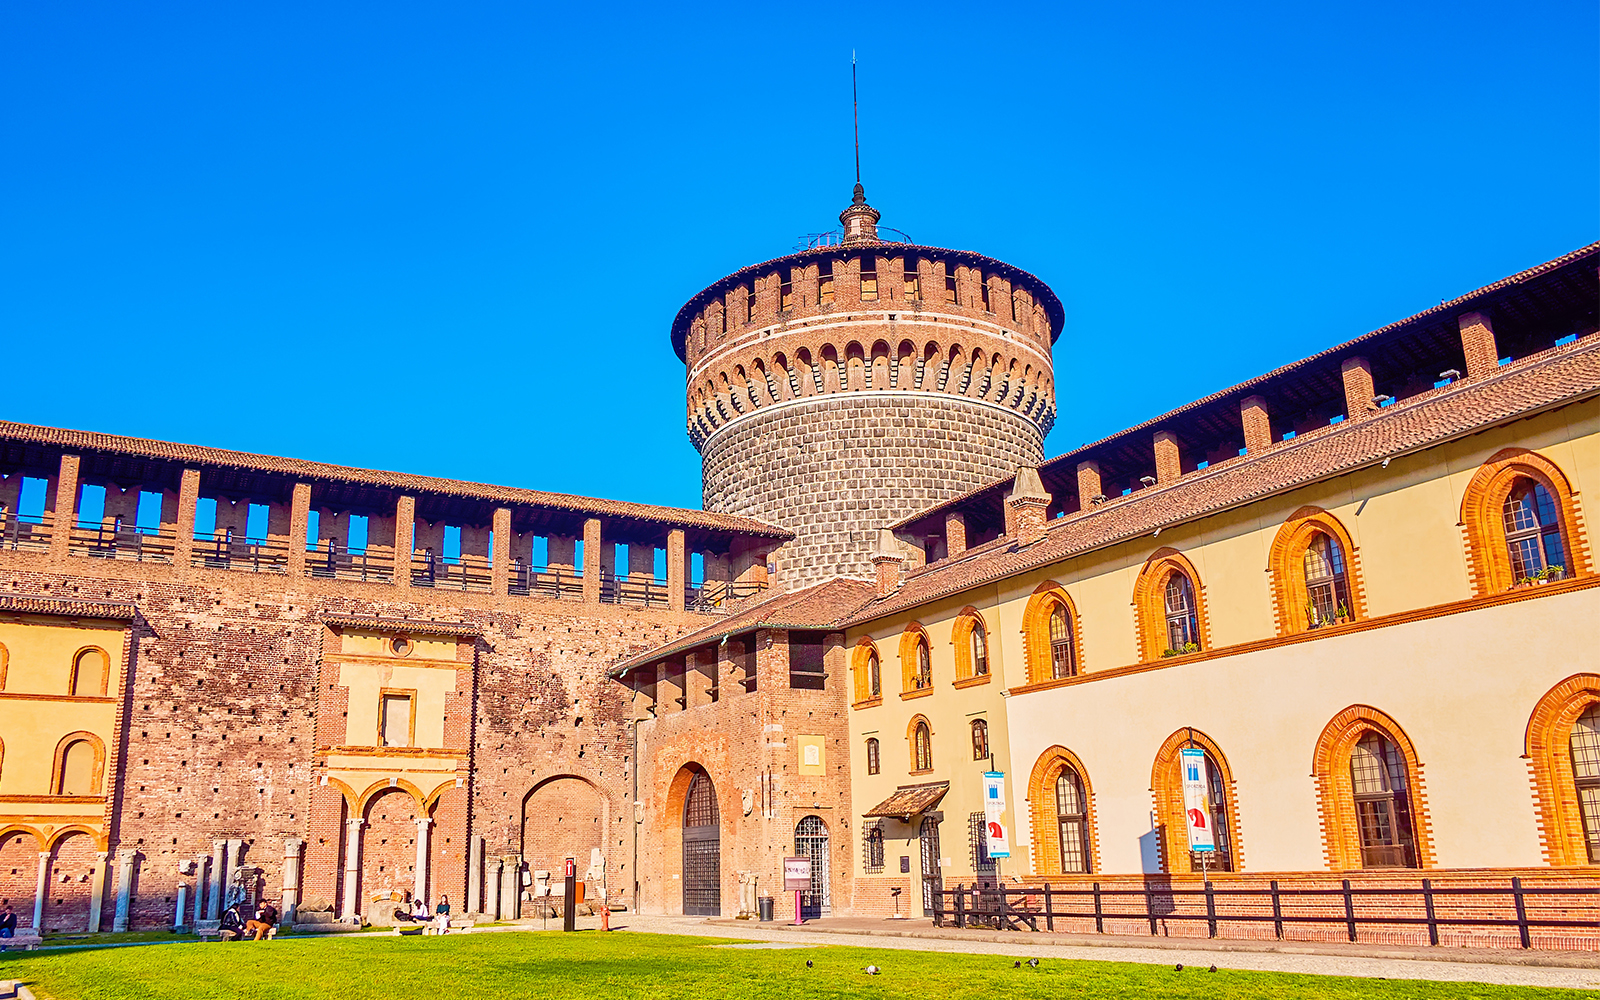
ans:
(996, 840)
(1196, 800)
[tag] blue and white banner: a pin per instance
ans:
(997, 842)
(1196, 800)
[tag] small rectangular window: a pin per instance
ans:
(750, 305)
(825, 282)
(869, 285)
(148, 516)
(983, 290)
(913, 283)
(950, 294)
(786, 292)
(394, 720)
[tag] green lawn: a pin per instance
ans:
(518, 966)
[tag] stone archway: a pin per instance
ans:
(389, 854)
(563, 817)
(19, 873)
(74, 867)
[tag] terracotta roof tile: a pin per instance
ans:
(1553, 378)
(199, 455)
(814, 607)
(113, 610)
(909, 800)
(409, 626)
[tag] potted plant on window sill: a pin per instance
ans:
(1188, 647)
(1342, 616)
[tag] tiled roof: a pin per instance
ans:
(203, 456)
(113, 610)
(1243, 388)
(909, 800)
(408, 626)
(1553, 378)
(813, 607)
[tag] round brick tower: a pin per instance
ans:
(849, 385)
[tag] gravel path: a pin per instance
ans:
(1031, 947)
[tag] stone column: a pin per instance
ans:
(66, 506)
(491, 904)
(235, 849)
(218, 849)
(188, 496)
(1478, 344)
(299, 525)
(677, 570)
(591, 561)
(183, 904)
(127, 858)
(500, 551)
(511, 888)
(405, 545)
(475, 874)
(39, 893)
(291, 877)
(352, 870)
(199, 888)
(421, 889)
(97, 890)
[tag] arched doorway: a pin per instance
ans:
(702, 850)
(562, 817)
(811, 841)
(932, 882)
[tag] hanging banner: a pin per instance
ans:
(1196, 800)
(996, 842)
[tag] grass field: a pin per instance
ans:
(636, 967)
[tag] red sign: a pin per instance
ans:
(572, 868)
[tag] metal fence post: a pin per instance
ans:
(1277, 911)
(1427, 905)
(961, 909)
(1211, 910)
(1099, 917)
(1049, 914)
(1522, 912)
(1349, 912)
(1150, 908)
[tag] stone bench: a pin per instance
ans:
(25, 939)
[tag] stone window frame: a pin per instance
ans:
(1166, 789)
(1286, 567)
(980, 739)
(920, 722)
(1036, 640)
(913, 637)
(1042, 811)
(1548, 753)
(105, 672)
(411, 724)
(1149, 602)
(57, 773)
(860, 662)
(1330, 770)
(1483, 524)
(967, 622)
(874, 755)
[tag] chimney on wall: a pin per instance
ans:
(1025, 507)
(887, 561)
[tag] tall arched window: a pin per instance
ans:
(1072, 822)
(1327, 590)
(1533, 531)
(921, 746)
(1183, 619)
(980, 739)
(1521, 521)
(924, 676)
(89, 672)
(1383, 805)
(969, 641)
(78, 769)
(1173, 805)
(1061, 664)
(874, 676)
(866, 671)
(872, 755)
(916, 660)
(980, 650)
(1585, 746)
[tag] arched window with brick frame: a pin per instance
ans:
(1169, 606)
(1369, 785)
(1315, 569)
(1563, 752)
(1061, 806)
(969, 638)
(91, 672)
(1050, 634)
(80, 765)
(867, 672)
(1522, 523)
(916, 659)
(919, 735)
(1166, 784)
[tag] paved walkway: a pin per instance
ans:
(1570, 970)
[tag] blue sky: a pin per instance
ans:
(450, 239)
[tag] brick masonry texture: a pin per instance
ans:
(836, 468)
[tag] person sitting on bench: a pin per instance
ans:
(265, 919)
(232, 926)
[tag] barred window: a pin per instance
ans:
(1585, 745)
(983, 866)
(872, 846)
